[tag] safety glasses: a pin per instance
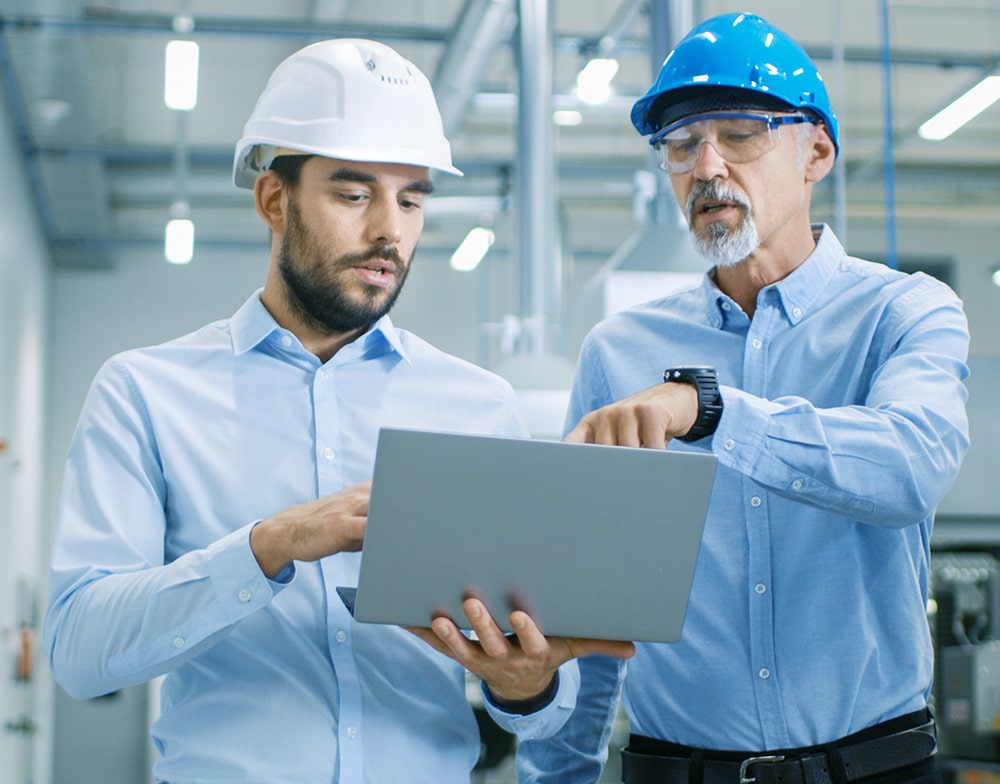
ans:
(738, 137)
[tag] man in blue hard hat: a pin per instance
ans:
(830, 390)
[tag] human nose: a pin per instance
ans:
(385, 222)
(708, 161)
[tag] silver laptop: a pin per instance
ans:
(591, 541)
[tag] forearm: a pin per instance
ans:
(111, 630)
(888, 464)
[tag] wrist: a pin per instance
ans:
(525, 706)
(706, 383)
(265, 548)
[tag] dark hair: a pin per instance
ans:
(688, 101)
(289, 168)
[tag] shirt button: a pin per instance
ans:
(286, 340)
(352, 732)
(340, 636)
(796, 312)
(726, 306)
(245, 595)
(760, 588)
(328, 453)
(179, 642)
(730, 445)
(797, 484)
(755, 501)
(756, 343)
(764, 673)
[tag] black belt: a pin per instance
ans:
(803, 766)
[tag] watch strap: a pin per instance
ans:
(706, 381)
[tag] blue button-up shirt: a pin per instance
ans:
(844, 425)
(180, 448)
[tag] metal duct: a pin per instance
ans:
(482, 26)
(539, 261)
(663, 243)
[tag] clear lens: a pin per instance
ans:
(737, 137)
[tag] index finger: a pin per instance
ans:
(529, 636)
(583, 433)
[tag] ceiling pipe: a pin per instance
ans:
(332, 10)
(662, 243)
(839, 167)
(126, 22)
(538, 258)
(619, 25)
(889, 169)
(482, 26)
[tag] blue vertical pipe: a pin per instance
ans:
(840, 167)
(890, 177)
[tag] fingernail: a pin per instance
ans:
(474, 611)
(441, 629)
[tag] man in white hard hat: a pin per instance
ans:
(217, 486)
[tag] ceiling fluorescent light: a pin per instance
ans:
(567, 117)
(180, 83)
(958, 113)
(593, 83)
(475, 245)
(178, 241)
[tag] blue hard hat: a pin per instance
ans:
(734, 61)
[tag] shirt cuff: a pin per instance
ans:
(547, 720)
(524, 707)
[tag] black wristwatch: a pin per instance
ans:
(706, 381)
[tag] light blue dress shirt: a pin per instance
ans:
(844, 425)
(180, 448)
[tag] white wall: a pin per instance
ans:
(24, 282)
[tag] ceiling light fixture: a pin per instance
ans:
(567, 117)
(960, 111)
(180, 82)
(593, 83)
(178, 238)
(995, 276)
(472, 250)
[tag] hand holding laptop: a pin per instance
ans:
(515, 667)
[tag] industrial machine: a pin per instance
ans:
(964, 614)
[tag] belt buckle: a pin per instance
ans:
(744, 778)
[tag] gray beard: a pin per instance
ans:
(720, 245)
(725, 248)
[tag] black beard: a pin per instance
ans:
(314, 293)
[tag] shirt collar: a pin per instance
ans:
(798, 291)
(252, 325)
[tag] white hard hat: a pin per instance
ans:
(346, 98)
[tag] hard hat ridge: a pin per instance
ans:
(734, 61)
(350, 99)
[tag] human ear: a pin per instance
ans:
(270, 198)
(820, 154)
